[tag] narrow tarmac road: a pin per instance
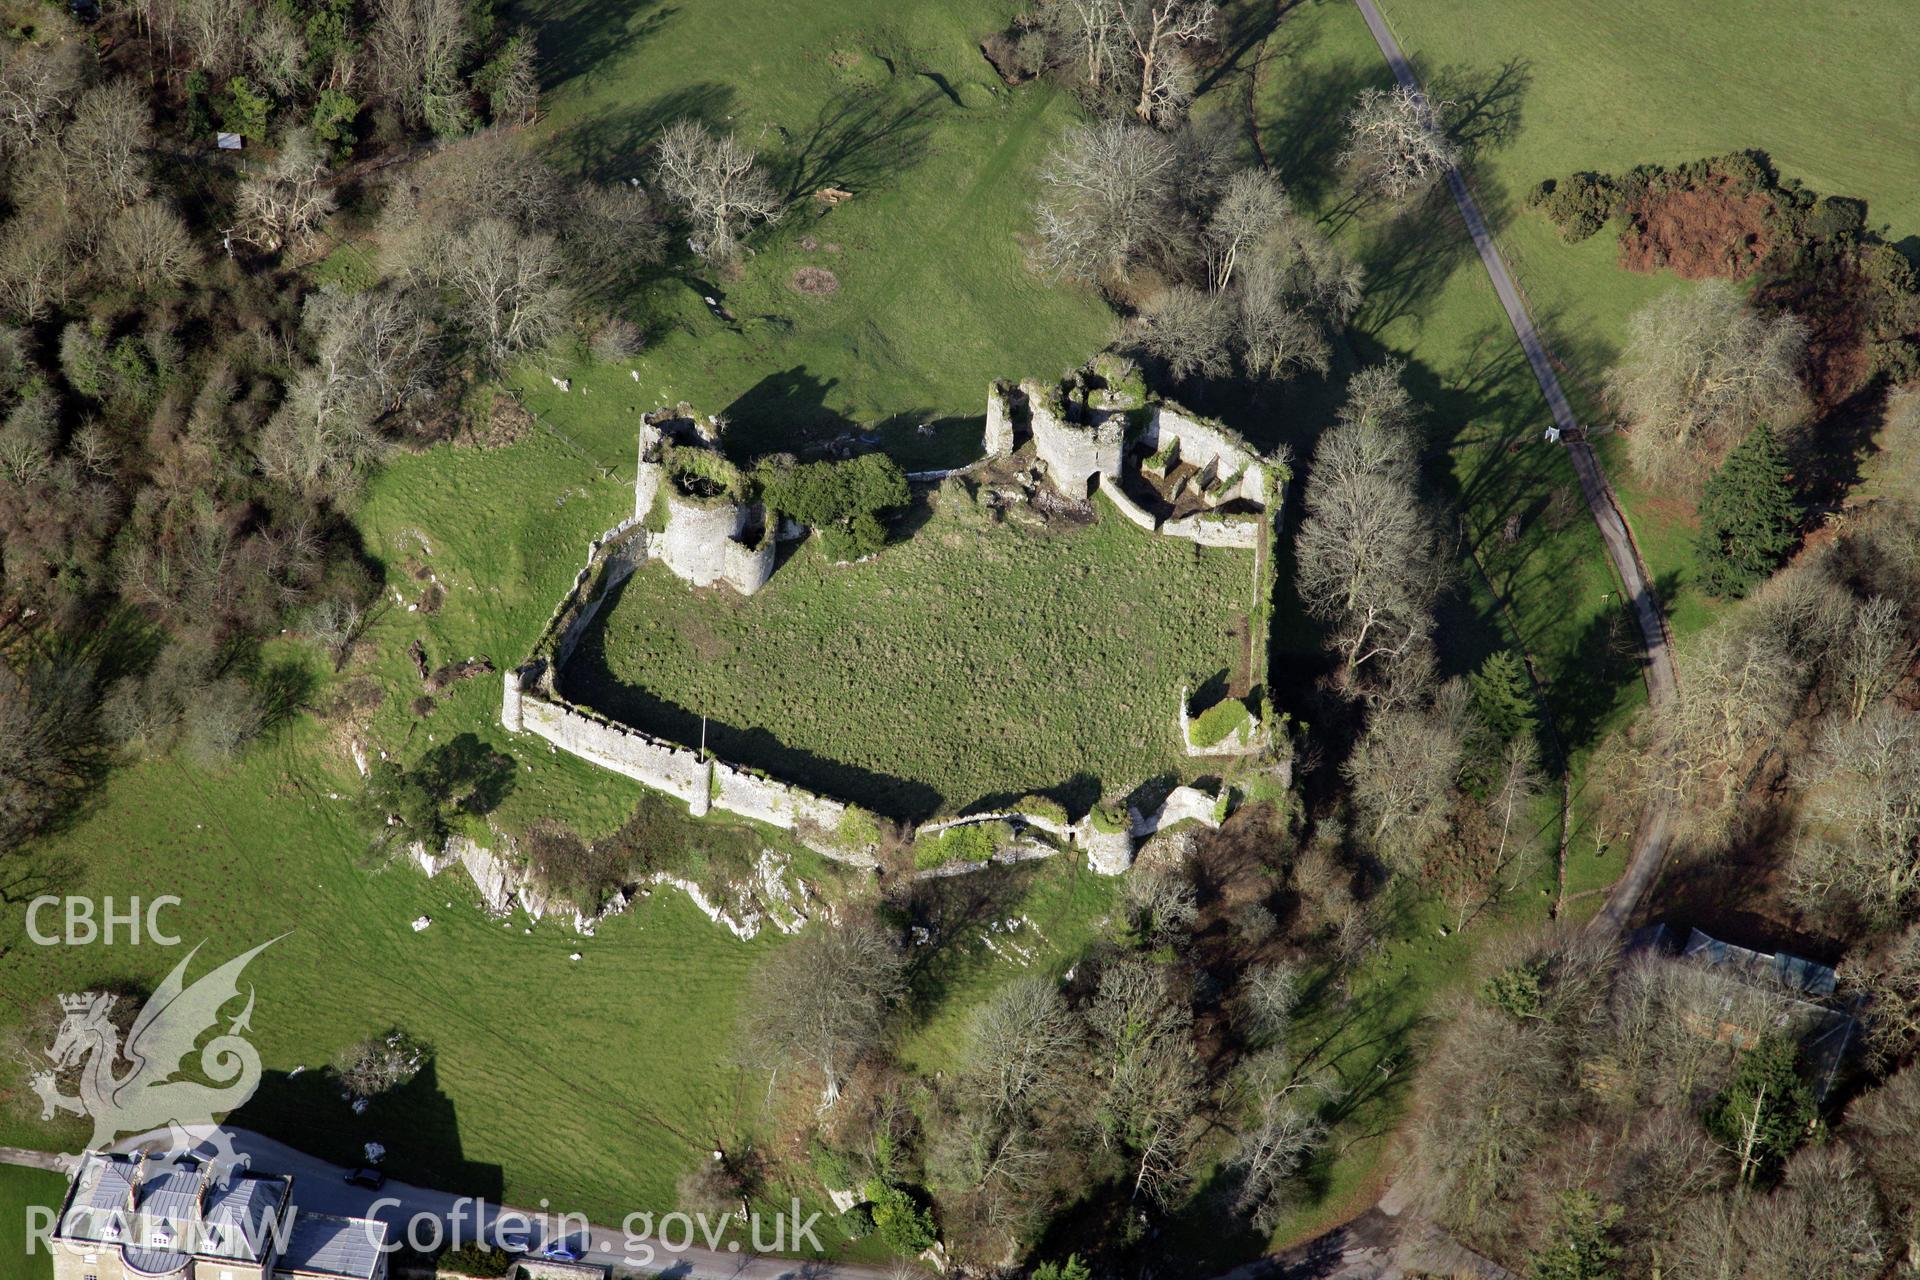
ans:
(1650, 848)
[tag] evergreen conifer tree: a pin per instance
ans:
(1503, 697)
(1747, 516)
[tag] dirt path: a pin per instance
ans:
(1650, 849)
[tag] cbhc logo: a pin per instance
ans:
(85, 925)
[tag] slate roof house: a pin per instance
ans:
(126, 1217)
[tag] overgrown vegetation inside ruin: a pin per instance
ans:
(973, 659)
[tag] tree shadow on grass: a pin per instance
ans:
(1306, 132)
(417, 1123)
(954, 912)
(784, 412)
(578, 37)
(860, 137)
(613, 144)
(1484, 110)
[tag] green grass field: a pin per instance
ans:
(969, 660)
(22, 1191)
(1827, 89)
(890, 102)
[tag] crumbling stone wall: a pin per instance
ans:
(1239, 532)
(999, 435)
(1131, 509)
(1076, 454)
(1218, 453)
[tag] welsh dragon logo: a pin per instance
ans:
(134, 1086)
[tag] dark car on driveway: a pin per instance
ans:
(368, 1177)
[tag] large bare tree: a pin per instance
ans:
(1859, 841)
(719, 185)
(1369, 549)
(822, 1001)
(284, 204)
(1700, 369)
(1108, 200)
(505, 286)
(1404, 775)
(418, 49)
(1142, 1037)
(1395, 145)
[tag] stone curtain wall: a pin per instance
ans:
(531, 703)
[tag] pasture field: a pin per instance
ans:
(1826, 89)
(970, 660)
(890, 103)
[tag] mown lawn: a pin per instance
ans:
(887, 100)
(23, 1191)
(970, 660)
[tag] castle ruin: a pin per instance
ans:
(1095, 432)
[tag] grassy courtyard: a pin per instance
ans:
(969, 661)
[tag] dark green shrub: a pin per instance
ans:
(1578, 206)
(243, 111)
(901, 1219)
(1837, 216)
(1047, 810)
(857, 1222)
(974, 842)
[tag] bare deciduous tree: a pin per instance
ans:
(1021, 1043)
(1821, 1222)
(1369, 551)
(822, 1001)
(1887, 976)
(1883, 1122)
(36, 266)
(1404, 774)
(38, 86)
(1137, 50)
(1395, 146)
(1107, 203)
(149, 247)
(418, 47)
(285, 203)
(276, 51)
(1701, 368)
(1142, 1035)
(1873, 653)
(105, 147)
(506, 287)
(1161, 35)
(1493, 1090)
(1192, 331)
(717, 183)
(1859, 840)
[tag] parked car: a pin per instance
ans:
(516, 1240)
(564, 1251)
(368, 1177)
